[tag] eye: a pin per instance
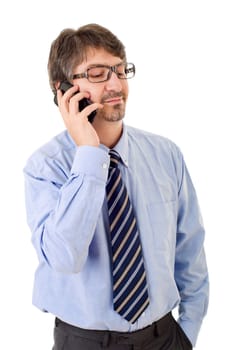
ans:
(97, 72)
(121, 71)
(121, 74)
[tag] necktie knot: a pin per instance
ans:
(114, 158)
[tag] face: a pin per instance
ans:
(112, 93)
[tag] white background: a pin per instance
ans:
(183, 90)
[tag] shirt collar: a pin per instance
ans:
(122, 146)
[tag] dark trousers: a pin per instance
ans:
(164, 334)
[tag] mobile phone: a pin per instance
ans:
(65, 85)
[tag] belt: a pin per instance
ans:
(106, 337)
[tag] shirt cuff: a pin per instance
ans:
(92, 161)
(191, 329)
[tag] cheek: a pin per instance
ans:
(97, 92)
(96, 95)
(125, 88)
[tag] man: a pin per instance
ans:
(113, 213)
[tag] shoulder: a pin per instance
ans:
(60, 142)
(156, 152)
(151, 142)
(58, 151)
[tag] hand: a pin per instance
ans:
(76, 122)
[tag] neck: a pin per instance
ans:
(109, 132)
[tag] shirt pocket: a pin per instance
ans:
(163, 222)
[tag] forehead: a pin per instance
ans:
(97, 56)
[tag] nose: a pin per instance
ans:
(114, 83)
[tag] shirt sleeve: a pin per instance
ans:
(190, 266)
(62, 214)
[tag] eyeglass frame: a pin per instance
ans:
(112, 69)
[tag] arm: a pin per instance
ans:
(62, 207)
(190, 267)
(62, 214)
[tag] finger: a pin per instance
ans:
(59, 96)
(63, 106)
(70, 93)
(64, 99)
(91, 108)
(74, 102)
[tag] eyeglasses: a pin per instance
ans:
(101, 73)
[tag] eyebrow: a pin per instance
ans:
(93, 65)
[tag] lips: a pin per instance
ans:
(114, 100)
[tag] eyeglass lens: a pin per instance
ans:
(102, 73)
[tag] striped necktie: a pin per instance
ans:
(130, 295)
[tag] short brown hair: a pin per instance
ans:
(69, 49)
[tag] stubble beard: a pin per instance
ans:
(113, 113)
(117, 113)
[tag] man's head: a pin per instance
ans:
(71, 47)
(93, 58)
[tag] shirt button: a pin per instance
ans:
(104, 165)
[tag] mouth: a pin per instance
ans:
(113, 101)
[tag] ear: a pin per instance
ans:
(57, 84)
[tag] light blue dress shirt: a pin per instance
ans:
(67, 214)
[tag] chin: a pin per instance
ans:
(112, 116)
